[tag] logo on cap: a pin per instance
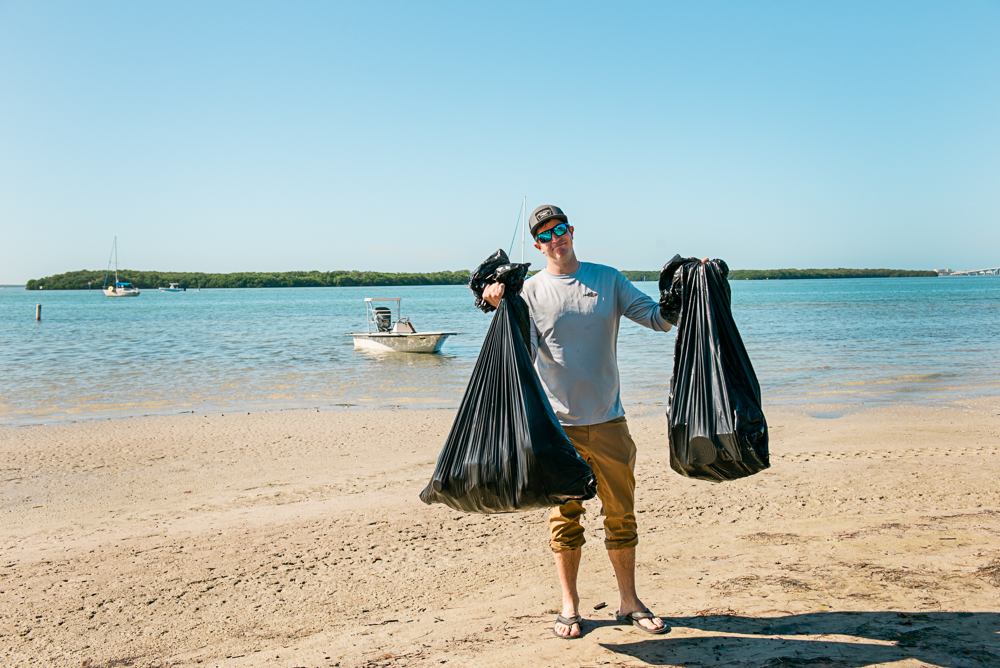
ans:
(543, 212)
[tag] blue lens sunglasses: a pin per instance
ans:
(546, 236)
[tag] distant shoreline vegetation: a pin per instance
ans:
(150, 280)
(775, 274)
(791, 274)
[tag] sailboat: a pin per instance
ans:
(120, 288)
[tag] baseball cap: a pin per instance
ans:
(543, 214)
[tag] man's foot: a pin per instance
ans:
(644, 620)
(567, 626)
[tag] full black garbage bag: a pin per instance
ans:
(717, 428)
(506, 451)
(499, 269)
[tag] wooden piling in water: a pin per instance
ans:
(38, 312)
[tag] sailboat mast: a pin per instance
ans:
(116, 263)
(108, 270)
(524, 212)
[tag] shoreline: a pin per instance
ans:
(352, 278)
(290, 536)
(286, 349)
(841, 401)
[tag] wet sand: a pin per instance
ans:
(296, 538)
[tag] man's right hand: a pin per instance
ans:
(493, 293)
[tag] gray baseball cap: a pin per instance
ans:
(543, 214)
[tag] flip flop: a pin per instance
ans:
(634, 617)
(568, 621)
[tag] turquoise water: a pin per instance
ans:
(844, 341)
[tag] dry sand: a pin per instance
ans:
(296, 538)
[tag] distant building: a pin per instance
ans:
(943, 272)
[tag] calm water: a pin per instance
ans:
(845, 341)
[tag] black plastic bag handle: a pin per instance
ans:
(497, 268)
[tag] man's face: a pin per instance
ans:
(558, 247)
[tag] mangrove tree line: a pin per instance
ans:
(150, 280)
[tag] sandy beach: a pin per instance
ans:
(296, 538)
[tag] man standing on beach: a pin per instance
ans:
(575, 309)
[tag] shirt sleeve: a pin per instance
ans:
(637, 306)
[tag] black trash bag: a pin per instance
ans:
(670, 299)
(670, 295)
(499, 269)
(506, 451)
(717, 428)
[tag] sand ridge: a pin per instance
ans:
(296, 538)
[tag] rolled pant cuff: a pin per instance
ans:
(566, 547)
(612, 545)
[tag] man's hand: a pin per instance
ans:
(493, 293)
(704, 261)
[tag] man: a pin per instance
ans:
(575, 311)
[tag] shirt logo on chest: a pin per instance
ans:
(589, 293)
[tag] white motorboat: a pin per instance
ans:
(174, 287)
(120, 288)
(387, 333)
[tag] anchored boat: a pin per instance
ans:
(120, 288)
(387, 333)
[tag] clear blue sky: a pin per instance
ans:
(401, 136)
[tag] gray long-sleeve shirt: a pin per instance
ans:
(575, 320)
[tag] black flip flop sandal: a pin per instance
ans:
(569, 621)
(634, 617)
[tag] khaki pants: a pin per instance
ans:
(610, 451)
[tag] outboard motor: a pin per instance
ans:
(383, 319)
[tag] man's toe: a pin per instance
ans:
(564, 630)
(652, 624)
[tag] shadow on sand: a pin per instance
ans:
(946, 639)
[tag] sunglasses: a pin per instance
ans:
(546, 236)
